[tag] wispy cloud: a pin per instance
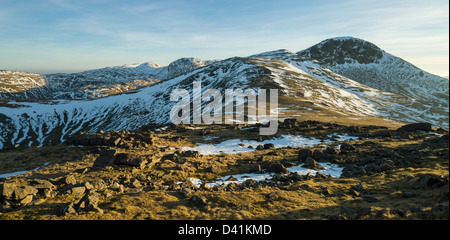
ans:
(166, 30)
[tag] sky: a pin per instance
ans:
(48, 36)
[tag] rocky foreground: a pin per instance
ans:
(387, 173)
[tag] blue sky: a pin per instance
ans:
(74, 35)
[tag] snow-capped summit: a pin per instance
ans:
(273, 54)
(184, 65)
(149, 65)
(341, 50)
(366, 63)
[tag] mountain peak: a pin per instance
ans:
(140, 65)
(185, 65)
(279, 52)
(342, 50)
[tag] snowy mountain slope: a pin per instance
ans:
(366, 63)
(299, 78)
(42, 123)
(388, 104)
(22, 84)
(93, 83)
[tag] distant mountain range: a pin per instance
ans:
(92, 83)
(347, 76)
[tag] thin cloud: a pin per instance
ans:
(215, 29)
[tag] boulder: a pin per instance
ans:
(113, 141)
(415, 127)
(77, 190)
(41, 184)
(331, 151)
(69, 180)
(312, 164)
(70, 209)
(103, 161)
(304, 153)
(89, 202)
(97, 185)
(130, 160)
(347, 147)
(353, 171)
(198, 200)
(269, 146)
(322, 156)
(277, 168)
(145, 139)
(26, 200)
(7, 189)
(432, 181)
(289, 123)
(22, 192)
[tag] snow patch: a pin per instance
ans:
(235, 146)
(329, 169)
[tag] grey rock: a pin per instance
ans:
(370, 199)
(186, 191)
(22, 192)
(88, 185)
(49, 193)
(41, 184)
(7, 189)
(70, 180)
(415, 127)
(103, 161)
(77, 190)
(353, 171)
(70, 209)
(331, 151)
(99, 184)
(198, 200)
(130, 160)
(26, 200)
(312, 164)
(90, 202)
(277, 168)
(346, 148)
(269, 146)
(136, 184)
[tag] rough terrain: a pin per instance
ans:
(388, 173)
